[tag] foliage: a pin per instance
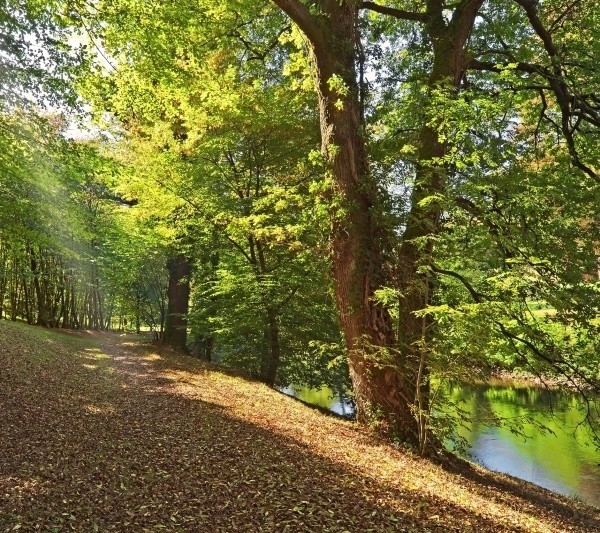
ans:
(462, 190)
(215, 151)
(38, 56)
(518, 206)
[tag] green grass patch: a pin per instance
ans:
(40, 346)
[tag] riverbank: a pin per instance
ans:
(527, 379)
(106, 432)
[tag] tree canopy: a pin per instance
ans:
(392, 193)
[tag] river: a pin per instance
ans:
(562, 459)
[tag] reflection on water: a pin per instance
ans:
(496, 452)
(563, 459)
(323, 397)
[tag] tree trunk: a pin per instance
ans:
(209, 343)
(383, 389)
(178, 294)
(389, 375)
(73, 321)
(415, 279)
(15, 290)
(3, 276)
(26, 303)
(270, 363)
(43, 316)
(3, 287)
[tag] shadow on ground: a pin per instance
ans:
(87, 448)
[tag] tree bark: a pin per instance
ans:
(389, 375)
(178, 294)
(383, 389)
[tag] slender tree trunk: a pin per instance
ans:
(14, 293)
(270, 363)
(175, 333)
(162, 307)
(138, 314)
(272, 357)
(3, 287)
(43, 316)
(27, 304)
(209, 343)
(73, 320)
(3, 276)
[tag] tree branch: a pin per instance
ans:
(489, 66)
(301, 16)
(530, 8)
(561, 365)
(477, 296)
(394, 12)
(564, 96)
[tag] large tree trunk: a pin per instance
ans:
(384, 391)
(178, 295)
(389, 375)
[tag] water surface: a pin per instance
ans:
(541, 438)
(562, 458)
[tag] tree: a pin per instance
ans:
(446, 130)
(390, 374)
(178, 294)
(56, 208)
(234, 139)
(386, 380)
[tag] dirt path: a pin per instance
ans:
(105, 434)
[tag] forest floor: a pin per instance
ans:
(103, 432)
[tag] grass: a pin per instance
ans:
(104, 432)
(540, 309)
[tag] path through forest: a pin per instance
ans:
(102, 432)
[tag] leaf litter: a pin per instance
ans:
(106, 432)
